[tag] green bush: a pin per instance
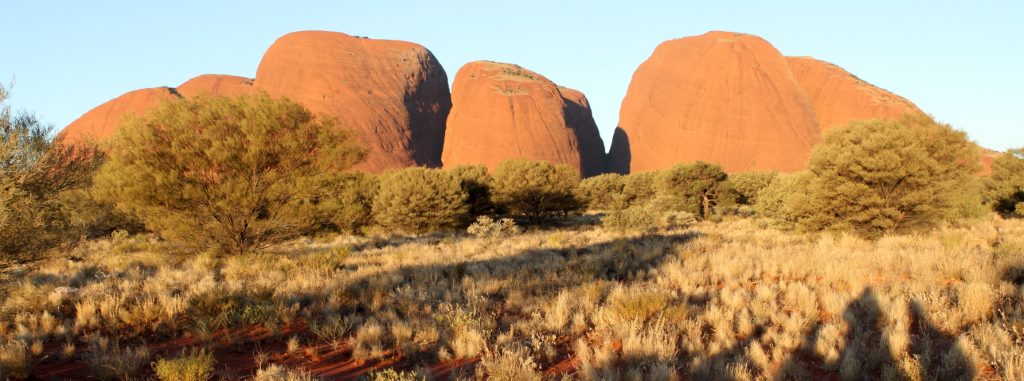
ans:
(601, 192)
(877, 177)
(677, 220)
(536, 189)
(639, 188)
(749, 184)
(229, 173)
(700, 187)
(94, 216)
(476, 182)
(192, 365)
(344, 202)
(486, 227)
(783, 199)
(419, 200)
(35, 169)
(1004, 188)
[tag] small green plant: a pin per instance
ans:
(112, 362)
(276, 372)
(512, 363)
(486, 227)
(332, 330)
(635, 218)
(394, 375)
(192, 365)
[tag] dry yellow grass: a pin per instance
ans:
(729, 300)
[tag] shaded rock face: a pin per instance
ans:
(580, 117)
(503, 111)
(392, 94)
(721, 97)
(839, 97)
(100, 122)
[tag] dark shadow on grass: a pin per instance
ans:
(868, 350)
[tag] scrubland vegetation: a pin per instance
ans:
(223, 238)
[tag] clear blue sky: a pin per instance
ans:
(963, 62)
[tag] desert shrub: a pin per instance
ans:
(601, 192)
(112, 362)
(419, 200)
(639, 188)
(1004, 188)
(394, 375)
(677, 220)
(969, 201)
(749, 184)
(95, 216)
(537, 189)
(512, 363)
(700, 187)
(35, 169)
(635, 218)
(344, 202)
(192, 365)
(331, 330)
(486, 227)
(15, 360)
(783, 199)
(229, 173)
(476, 182)
(276, 372)
(888, 176)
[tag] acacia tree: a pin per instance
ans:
(1005, 186)
(34, 169)
(876, 177)
(476, 182)
(230, 173)
(602, 192)
(700, 187)
(536, 189)
(419, 200)
(749, 184)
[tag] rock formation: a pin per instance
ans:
(840, 97)
(503, 111)
(721, 97)
(215, 84)
(393, 94)
(100, 122)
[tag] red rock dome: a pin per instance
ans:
(502, 111)
(101, 122)
(217, 85)
(840, 97)
(393, 94)
(721, 97)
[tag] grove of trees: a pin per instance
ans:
(239, 174)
